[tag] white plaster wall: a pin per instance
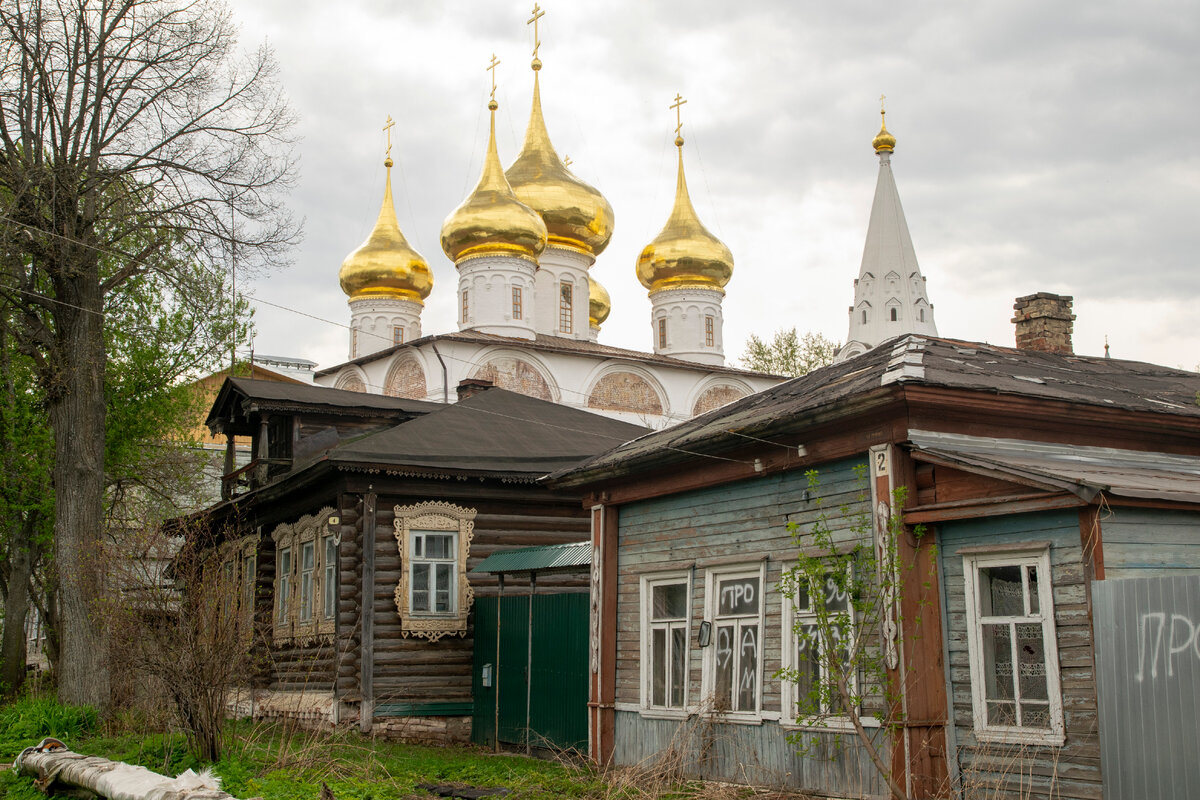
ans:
(685, 311)
(490, 280)
(373, 319)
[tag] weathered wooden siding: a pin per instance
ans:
(413, 673)
(1025, 771)
(731, 525)
(1140, 542)
(751, 754)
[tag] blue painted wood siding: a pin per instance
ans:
(997, 770)
(739, 523)
(1142, 542)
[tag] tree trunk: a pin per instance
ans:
(114, 779)
(76, 410)
(16, 607)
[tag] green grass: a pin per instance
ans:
(281, 763)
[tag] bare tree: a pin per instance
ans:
(130, 130)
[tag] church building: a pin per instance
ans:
(529, 312)
(889, 293)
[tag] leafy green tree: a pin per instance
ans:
(844, 589)
(789, 353)
(129, 129)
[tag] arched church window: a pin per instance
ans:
(864, 313)
(895, 314)
(516, 303)
(565, 308)
(662, 333)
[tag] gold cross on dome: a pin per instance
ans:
(567, 161)
(882, 97)
(679, 101)
(538, 13)
(388, 130)
(492, 69)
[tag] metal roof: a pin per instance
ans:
(909, 360)
(1083, 471)
(571, 555)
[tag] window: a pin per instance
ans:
(922, 315)
(228, 588)
(306, 578)
(432, 564)
(465, 304)
(566, 312)
(308, 562)
(709, 337)
(433, 596)
(864, 316)
(665, 618)
(662, 333)
(353, 342)
(807, 652)
(283, 589)
(397, 334)
(733, 663)
(895, 314)
(248, 585)
(330, 562)
(516, 305)
(1012, 647)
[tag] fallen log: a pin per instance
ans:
(55, 768)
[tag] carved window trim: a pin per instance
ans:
(236, 598)
(434, 516)
(312, 528)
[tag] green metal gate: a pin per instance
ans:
(553, 712)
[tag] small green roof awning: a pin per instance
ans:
(572, 555)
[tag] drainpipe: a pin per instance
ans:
(446, 397)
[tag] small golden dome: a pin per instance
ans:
(576, 215)
(883, 141)
(599, 303)
(385, 265)
(684, 254)
(492, 221)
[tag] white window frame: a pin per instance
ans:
(329, 578)
(789, 694)
(1037, 556)
(417, 541)
(308, 581)
(311, 529)
(648, 584)
(712, 579)
(434, 517)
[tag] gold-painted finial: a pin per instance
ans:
(679, 101)
(567, 161)
(492, 104)
(883, 142)
(387, 159)
(538, 13)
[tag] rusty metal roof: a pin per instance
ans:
(1083, 471)
(572, 555)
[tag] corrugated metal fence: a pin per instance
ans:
(1148, 680)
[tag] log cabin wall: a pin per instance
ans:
(1015, 769)
(688, 535)
(421, 689)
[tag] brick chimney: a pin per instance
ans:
(1044, 322)
(470, 387)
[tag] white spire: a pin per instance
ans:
(889, 294)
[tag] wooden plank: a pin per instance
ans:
(367, 623)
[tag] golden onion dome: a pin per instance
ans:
(883, 141)
(599, 303)
(576, 215)
(492, 221)
(385, 265)
(684, 254)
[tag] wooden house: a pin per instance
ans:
(1031, 482)
(345, 545)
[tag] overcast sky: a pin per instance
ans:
(1041, 146)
